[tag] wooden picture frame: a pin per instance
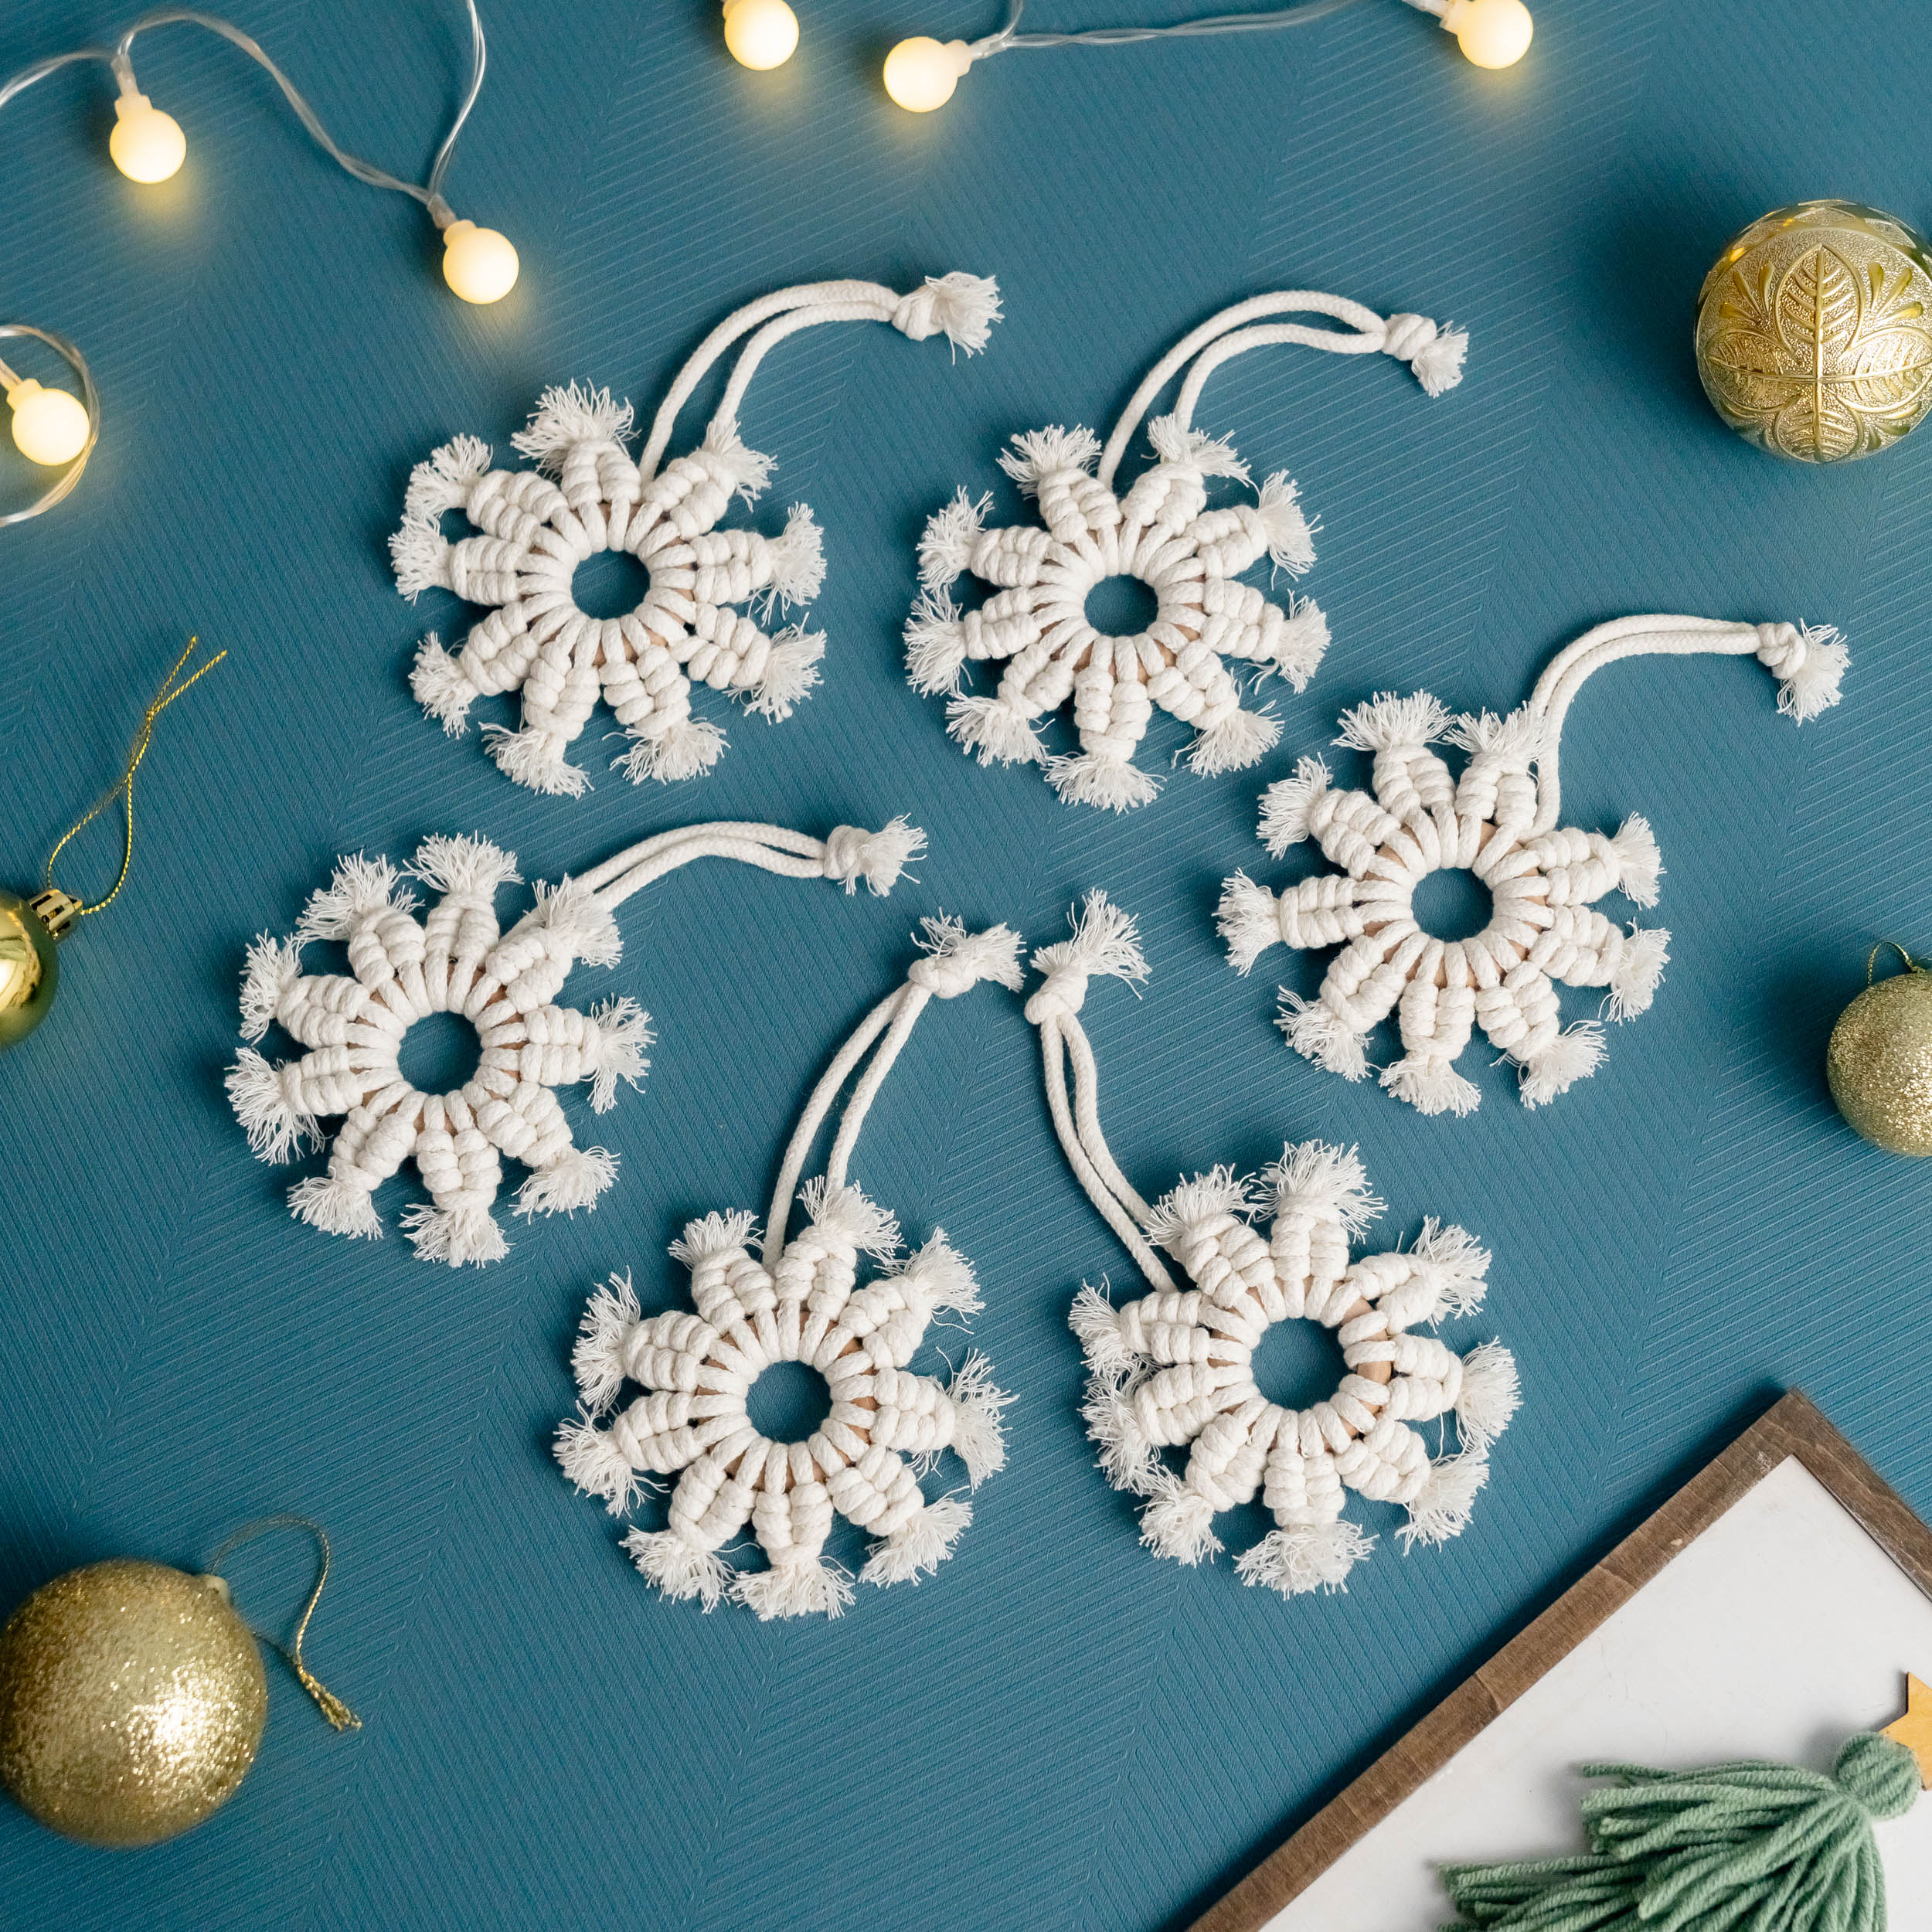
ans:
(1793, 1428)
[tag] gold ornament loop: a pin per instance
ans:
(331, 1707)
(123, 787)
(1911, 964)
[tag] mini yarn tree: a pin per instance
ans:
(799, 1300)
(1499, 823)
(1174, 1368)
(457, 960)
(588, 493)
(1162, 532)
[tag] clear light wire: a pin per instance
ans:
(90, 397)
(1009, 35)
(120, 60)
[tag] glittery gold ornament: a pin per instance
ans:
(1879, 1060)
(1813, 332)
(132, 1697)
(131, 1702)
(30, 928)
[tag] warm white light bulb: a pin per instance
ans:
(147, 145)
(478, 263)
(921, 73)
(1492, 33)
(759, 33)
(49, 426)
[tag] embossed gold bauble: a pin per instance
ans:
(30, 967)
(1815, 331)
(1879, 1061)
(131, 1702)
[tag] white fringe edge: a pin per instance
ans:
(1308, 1556)
(337, 1206)
(442, 687)
(534, 757)
(1178, 1522)
(1448, 1498)
(573, 1180)
(847, 1214)
(995, 732)
(1111, 783)
(1324, 1180)
(979, 1439)
(1241, 738)
(801, 1586)
(1036, 454)
(277, 1131)
(688, 750)
(790, 674)
(1288, 804)
(1639, 972)
(596, 1359)
(879, 858)
(1318, 1033)
(1572, 1057)
(1431, 1085)
(1491, 1394)
(591, 1459)
(463, 1236)
(679, 1569)
(919, 1545)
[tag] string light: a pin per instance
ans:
(148, 145)
(51, 426)
(921, 73)
(759, 34)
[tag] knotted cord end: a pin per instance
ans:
(1809, 661)
(1435, 354)
(961, 307)
(1105, 940)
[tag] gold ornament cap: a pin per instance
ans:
(1814, 334)
(132, 1698)
(1879, 1061)
(29, 971)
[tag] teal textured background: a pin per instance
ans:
(1057, 1730)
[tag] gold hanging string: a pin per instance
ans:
(123, 787)
(1911, 964)
(327, 1702)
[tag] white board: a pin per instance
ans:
(1777, 1634)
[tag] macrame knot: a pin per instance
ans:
(852, 854)
(961, 307)
(1434, 353)
(1809, 662)
(1408, 336)
(1781, 649)
(1879, 1775)
(957, 960)
(1061, 994)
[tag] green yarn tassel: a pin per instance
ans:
(1735, 1848)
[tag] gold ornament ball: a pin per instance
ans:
(1879, 1063)
(1813, 332)
(131, 1702)
(30, 967)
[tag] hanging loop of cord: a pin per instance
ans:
(10, 380)
(331, 1707)
(123, 787)
(953, 961)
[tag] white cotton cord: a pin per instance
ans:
(1106, 942)
(1436, 355)
(120, 60)
(962, 307)
(1809, 661)
(10, 379)
(847, 856)
(953, 961)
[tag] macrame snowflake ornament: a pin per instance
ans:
(1498, 822)
(534, 528)
(1161, 532)
(1175, 1369)
(457, 959)
(800, 1300)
